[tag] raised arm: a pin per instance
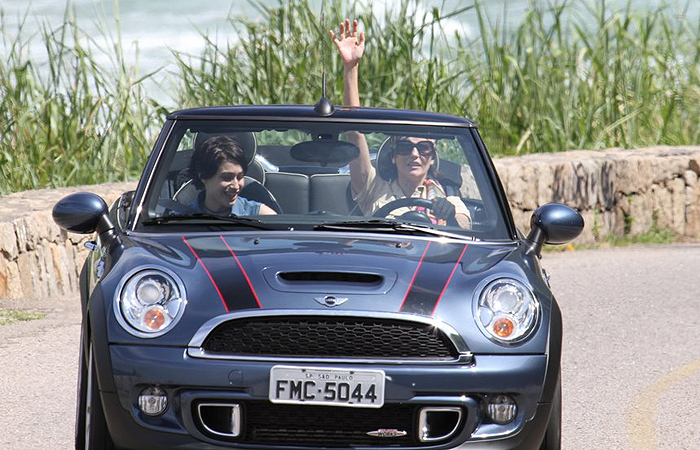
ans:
(351, 47)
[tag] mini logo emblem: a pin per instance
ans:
(387, 433)
(331, 301)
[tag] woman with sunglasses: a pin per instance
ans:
(412, 172)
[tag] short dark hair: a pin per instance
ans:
(212, 153)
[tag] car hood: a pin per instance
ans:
(327, 272)
(321, 271)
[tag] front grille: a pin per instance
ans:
(330, 337)
(268, 423)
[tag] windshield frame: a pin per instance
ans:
(477, 156)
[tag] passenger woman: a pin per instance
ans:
(412, 158)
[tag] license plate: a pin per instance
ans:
(320, 386)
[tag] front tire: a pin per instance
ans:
(81, 397)
(91, 431)
(552, 437)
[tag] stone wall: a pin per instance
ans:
(37, 258)
(617, 192)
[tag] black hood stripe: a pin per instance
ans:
(431, 278)
(207, 272)
(444, 288)
(230, 280)
(410, 285)
(245, 275)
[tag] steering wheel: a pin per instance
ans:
(403, 202)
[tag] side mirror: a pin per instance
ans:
(82, 213)
(552, 223)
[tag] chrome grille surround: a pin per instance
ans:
(195, 346)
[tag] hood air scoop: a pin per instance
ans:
(330, 281)
(331, 277)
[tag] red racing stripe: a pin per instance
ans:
(207, 272)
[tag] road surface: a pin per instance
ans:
(631, 362)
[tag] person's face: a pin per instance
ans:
(222, 189)
(413, 157)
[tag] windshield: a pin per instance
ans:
(308, 175)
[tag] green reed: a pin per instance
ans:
(564, 77)
(76, 122)
(602, 79)
(280, 59)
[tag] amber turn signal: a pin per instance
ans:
(503, 327)
(154, 318)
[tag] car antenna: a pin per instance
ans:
(324, 107)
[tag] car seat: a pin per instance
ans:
(330, 193)
(291, 191)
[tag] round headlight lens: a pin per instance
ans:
(507, 310)
(151, 302)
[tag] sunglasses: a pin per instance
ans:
(405, 147)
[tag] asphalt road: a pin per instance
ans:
(631, 364)
(631, 358)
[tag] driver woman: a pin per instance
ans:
(218, 167)
(411, 157)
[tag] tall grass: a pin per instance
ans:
(279, 59)
(76, 122)
(563, 77)
(603, 79)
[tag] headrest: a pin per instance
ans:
(256, 171)
(245, 139)
(386, 168)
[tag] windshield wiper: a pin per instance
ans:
(383, 226)
(208, 219)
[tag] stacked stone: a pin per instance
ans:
(618, 192)
(37, 258)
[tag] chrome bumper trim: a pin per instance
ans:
(195, 350)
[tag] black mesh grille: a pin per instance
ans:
(267, 423)
(330, 337)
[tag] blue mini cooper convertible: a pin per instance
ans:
(299, 277)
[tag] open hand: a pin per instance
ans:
(350, 46)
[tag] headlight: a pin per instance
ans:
(507, 311)
(150, 302)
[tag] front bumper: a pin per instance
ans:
(189, 380)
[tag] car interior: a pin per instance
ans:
(307, 177)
